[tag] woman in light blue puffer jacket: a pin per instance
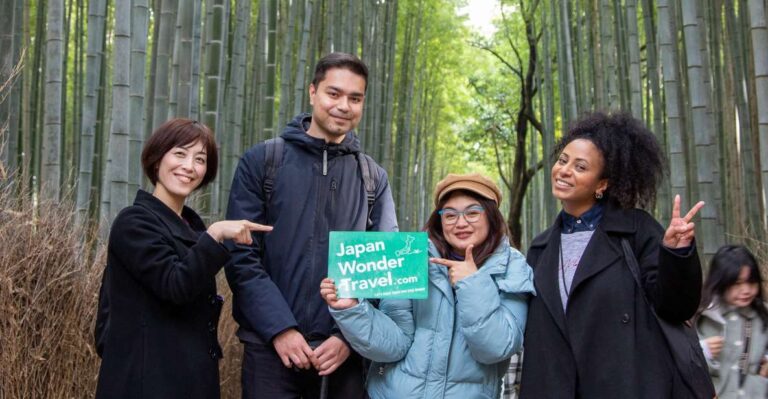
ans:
(457, 342)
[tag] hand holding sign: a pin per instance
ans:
(328, 292)
(680, 232)
(458, 269)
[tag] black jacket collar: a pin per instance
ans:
(187, 227)
(615, 220)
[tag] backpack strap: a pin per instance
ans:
(370, 177)
(272, 159)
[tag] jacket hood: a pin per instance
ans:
(717, 311)
(296, 133)
(506, 265)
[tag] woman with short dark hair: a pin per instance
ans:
(456, 343)
(591, 333)
(158, 307)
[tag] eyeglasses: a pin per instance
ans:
(471, 214)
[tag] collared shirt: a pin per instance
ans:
(588, 221)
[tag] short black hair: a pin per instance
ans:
(341, 61)
(633, 162)
(179, 132)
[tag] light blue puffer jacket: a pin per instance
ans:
(454, 344)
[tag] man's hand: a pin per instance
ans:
(294, 350)
(330, 355)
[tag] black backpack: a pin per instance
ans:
(273, 160)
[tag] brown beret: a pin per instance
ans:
(473, 182)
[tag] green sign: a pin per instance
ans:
(378, 265)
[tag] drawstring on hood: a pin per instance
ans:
(296, 133)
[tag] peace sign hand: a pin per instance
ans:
(458, 270)
(680, 232)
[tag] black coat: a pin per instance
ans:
(158, 308)
(607, 344)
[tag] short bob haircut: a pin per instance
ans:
(497, 229)
(340, 61)
(179, 132)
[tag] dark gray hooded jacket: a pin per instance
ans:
(279, 288)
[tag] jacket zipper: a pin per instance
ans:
(325, 160)
(319, 210)
(334, 184)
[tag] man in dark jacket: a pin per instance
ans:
(289, 336)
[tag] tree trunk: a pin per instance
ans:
(633, 47)
(50, 176)
(567, 63)
(655, 98)
(299, 89)
(163, 63)
(234, 100)
(389, 93)
(186, 22)
(257, 78)
(268, 108)
(10, 22)
(197, 27)
(215, 61)
(706, 161)
(117, 162)
(286, 64)
(149, 103)
(608, 53)
(139, 32)
(759, 33)
(669, 58)
(548, 136)
(94, 59)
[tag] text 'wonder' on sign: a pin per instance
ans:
(378, 265)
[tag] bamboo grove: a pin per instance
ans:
(89, 79)
(98, 75)
(695, 71)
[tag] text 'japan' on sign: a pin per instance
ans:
(378, 264)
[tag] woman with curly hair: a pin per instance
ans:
(590, 331)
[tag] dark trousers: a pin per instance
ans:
(265, 376)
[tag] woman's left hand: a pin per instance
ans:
(680, 232)
(458, 269)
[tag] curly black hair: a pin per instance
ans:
(634, 163)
